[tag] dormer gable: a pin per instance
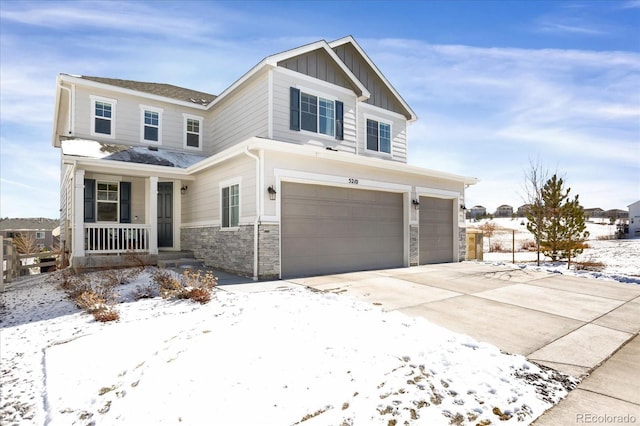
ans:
(382, 93)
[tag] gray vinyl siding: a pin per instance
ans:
(282, 81)
(318, 64)
(381, 96)
(201, 203)
(240, 116)
(127, 121)
(66, 196)
(398, 133)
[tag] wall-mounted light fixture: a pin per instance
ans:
(416, 204)
(272, 192)
(463, 207)
(183, 190)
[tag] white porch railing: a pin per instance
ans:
(116, 238)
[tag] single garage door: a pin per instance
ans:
(328, 229)
(436, 230)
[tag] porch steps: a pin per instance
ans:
(177, 259)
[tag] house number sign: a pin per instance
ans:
(353, 181)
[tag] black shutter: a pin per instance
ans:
(89, 200)
(294, 108)
(125, 202)
(339, 120)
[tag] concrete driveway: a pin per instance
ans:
(568, 323)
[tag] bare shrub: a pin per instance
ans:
(191, 278)
(146, 291)
(496, 247)
(488, 229)
(120, 276)
(200, 295)
(25, 243)
(168, 284)
(528, 245)
(106, 314)
(194, 285)
(90, 301)
(137, 260)
(589, 265)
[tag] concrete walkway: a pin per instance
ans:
(582, 327)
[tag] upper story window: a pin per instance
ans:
(316, 114)
(378, 136)
(151, 122)
(103, 113)
(230, 206)
(193, 131)
(39, 235)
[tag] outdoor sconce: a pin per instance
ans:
(416, 204)
(463, 207)
(183, 190)
(272, 193)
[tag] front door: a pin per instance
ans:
(165, 214)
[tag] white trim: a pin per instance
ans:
(366, 134)
(112, 119)
(316, 81)
(227, 184)
(159, 111)
(116, 202)
(201, 224)
(382, 112)
(351, 40)
(270, 104)
(200, 119)
(422, 191)
(104, 86)
(318, 95)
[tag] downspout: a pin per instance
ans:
(257, 219)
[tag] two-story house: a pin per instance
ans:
(298, 168)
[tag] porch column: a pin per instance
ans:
(77, 248)
(151, 213)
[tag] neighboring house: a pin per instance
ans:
(504, 211)
(298, 168)
(615, 214)
(634, 219)
(523, 209)
(38, 230)
(477, 211)
(593, 213)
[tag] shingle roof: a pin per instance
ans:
(19, 224)
(159, 89)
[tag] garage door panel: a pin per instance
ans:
(351, 229)
(436, 230)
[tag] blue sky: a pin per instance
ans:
(495, 84)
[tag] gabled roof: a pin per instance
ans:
(158, 89)
(350, 40)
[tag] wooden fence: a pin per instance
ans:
(15, 264)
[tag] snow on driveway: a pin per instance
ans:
(271, 358)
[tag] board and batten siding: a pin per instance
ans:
(201, 203)
(239, 116)
(283, 80)
(318, 64)
(381, 96)
(398, 132)
(128, 119)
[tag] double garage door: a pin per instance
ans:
(328, 229)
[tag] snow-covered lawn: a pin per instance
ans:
(279, 357)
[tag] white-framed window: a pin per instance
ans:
(103, 114)
(107, 196)
(378, 136)
(39, 235)
(193, 131)
(230, 204)
(316, 113)
(150, 124)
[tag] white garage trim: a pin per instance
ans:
(297, 176)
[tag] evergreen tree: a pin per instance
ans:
(562, 230)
